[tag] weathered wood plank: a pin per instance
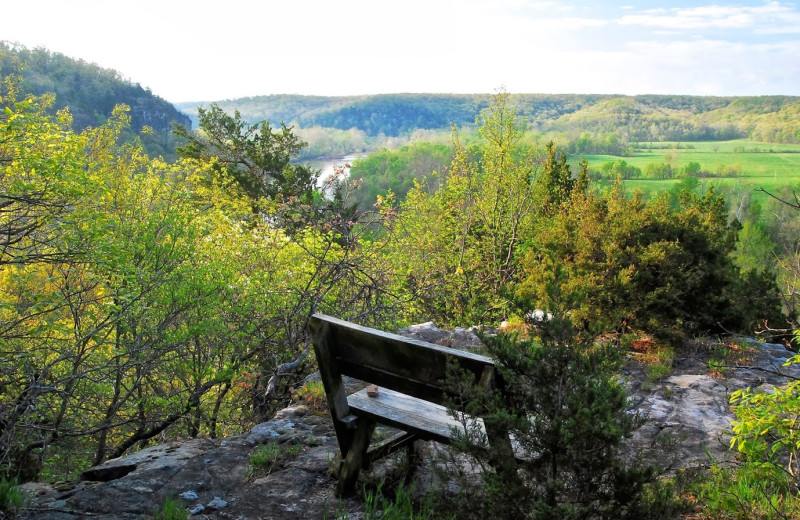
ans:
(343, 328)
(423, 390)
(351, 465)
(343, 421)
(367, 354)
(411, 375)
(388, 446)
(429, 421)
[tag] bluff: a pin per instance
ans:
(91, 93)
(213, 478)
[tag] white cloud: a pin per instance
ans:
(770, 17)
(204, 50)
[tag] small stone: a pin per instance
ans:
(189, 495)
(197, 510)
(372, 390)
(217, 503)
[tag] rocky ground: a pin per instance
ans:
(213, 478)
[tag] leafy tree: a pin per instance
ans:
(645, 265)
(554, 180)
(457, 247)
(139, 297)
(755, 251)
(621, 169)
(691, 169)
(395, 171)
(40, 172)
(256, 157)
(657, 171)
(568, 416)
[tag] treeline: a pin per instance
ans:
(611, 170)
(590, 123)
(91, 93)
(398, 171)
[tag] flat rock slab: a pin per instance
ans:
(688, 409)
(209, 477)
(689, 414)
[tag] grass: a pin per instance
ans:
(266, 455)
(750, 491)
(172, 510)
(11, 498)
(399, 507)
(761, 165)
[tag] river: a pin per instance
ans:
(328, 167)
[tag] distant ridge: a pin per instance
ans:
(91, 93)
(632, 118)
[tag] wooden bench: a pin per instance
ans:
(411, 377)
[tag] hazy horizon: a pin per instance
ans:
(195, 51)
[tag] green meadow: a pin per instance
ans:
(737, 164)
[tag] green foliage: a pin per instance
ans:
(691, 169)
(554, 182)
(644, 264)
(765, 484)
(517, 223)
(568, 416)
(91, 93)
(400, 507)
(396, 171)
(766, 429)
(171, 510)
(456, 247)
(592, 123)
(11, 498)
(738, 165)
(257, 157)
(139, 298)
(620, 169)
(755, 251)
(657, 170)
(746, 492)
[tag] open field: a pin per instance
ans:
(758, 165)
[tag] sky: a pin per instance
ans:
(202, 50)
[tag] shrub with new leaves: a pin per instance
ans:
(568, 416)
(646, 264)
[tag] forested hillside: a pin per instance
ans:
(603, 123)
(91, 93)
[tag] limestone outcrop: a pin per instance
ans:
(213, 479)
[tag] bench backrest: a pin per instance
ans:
(392, 361)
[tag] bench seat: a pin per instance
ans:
(428, 421)
(412, 379)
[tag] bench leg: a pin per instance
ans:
(502, 459)
(348, 472)
(414, 453)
